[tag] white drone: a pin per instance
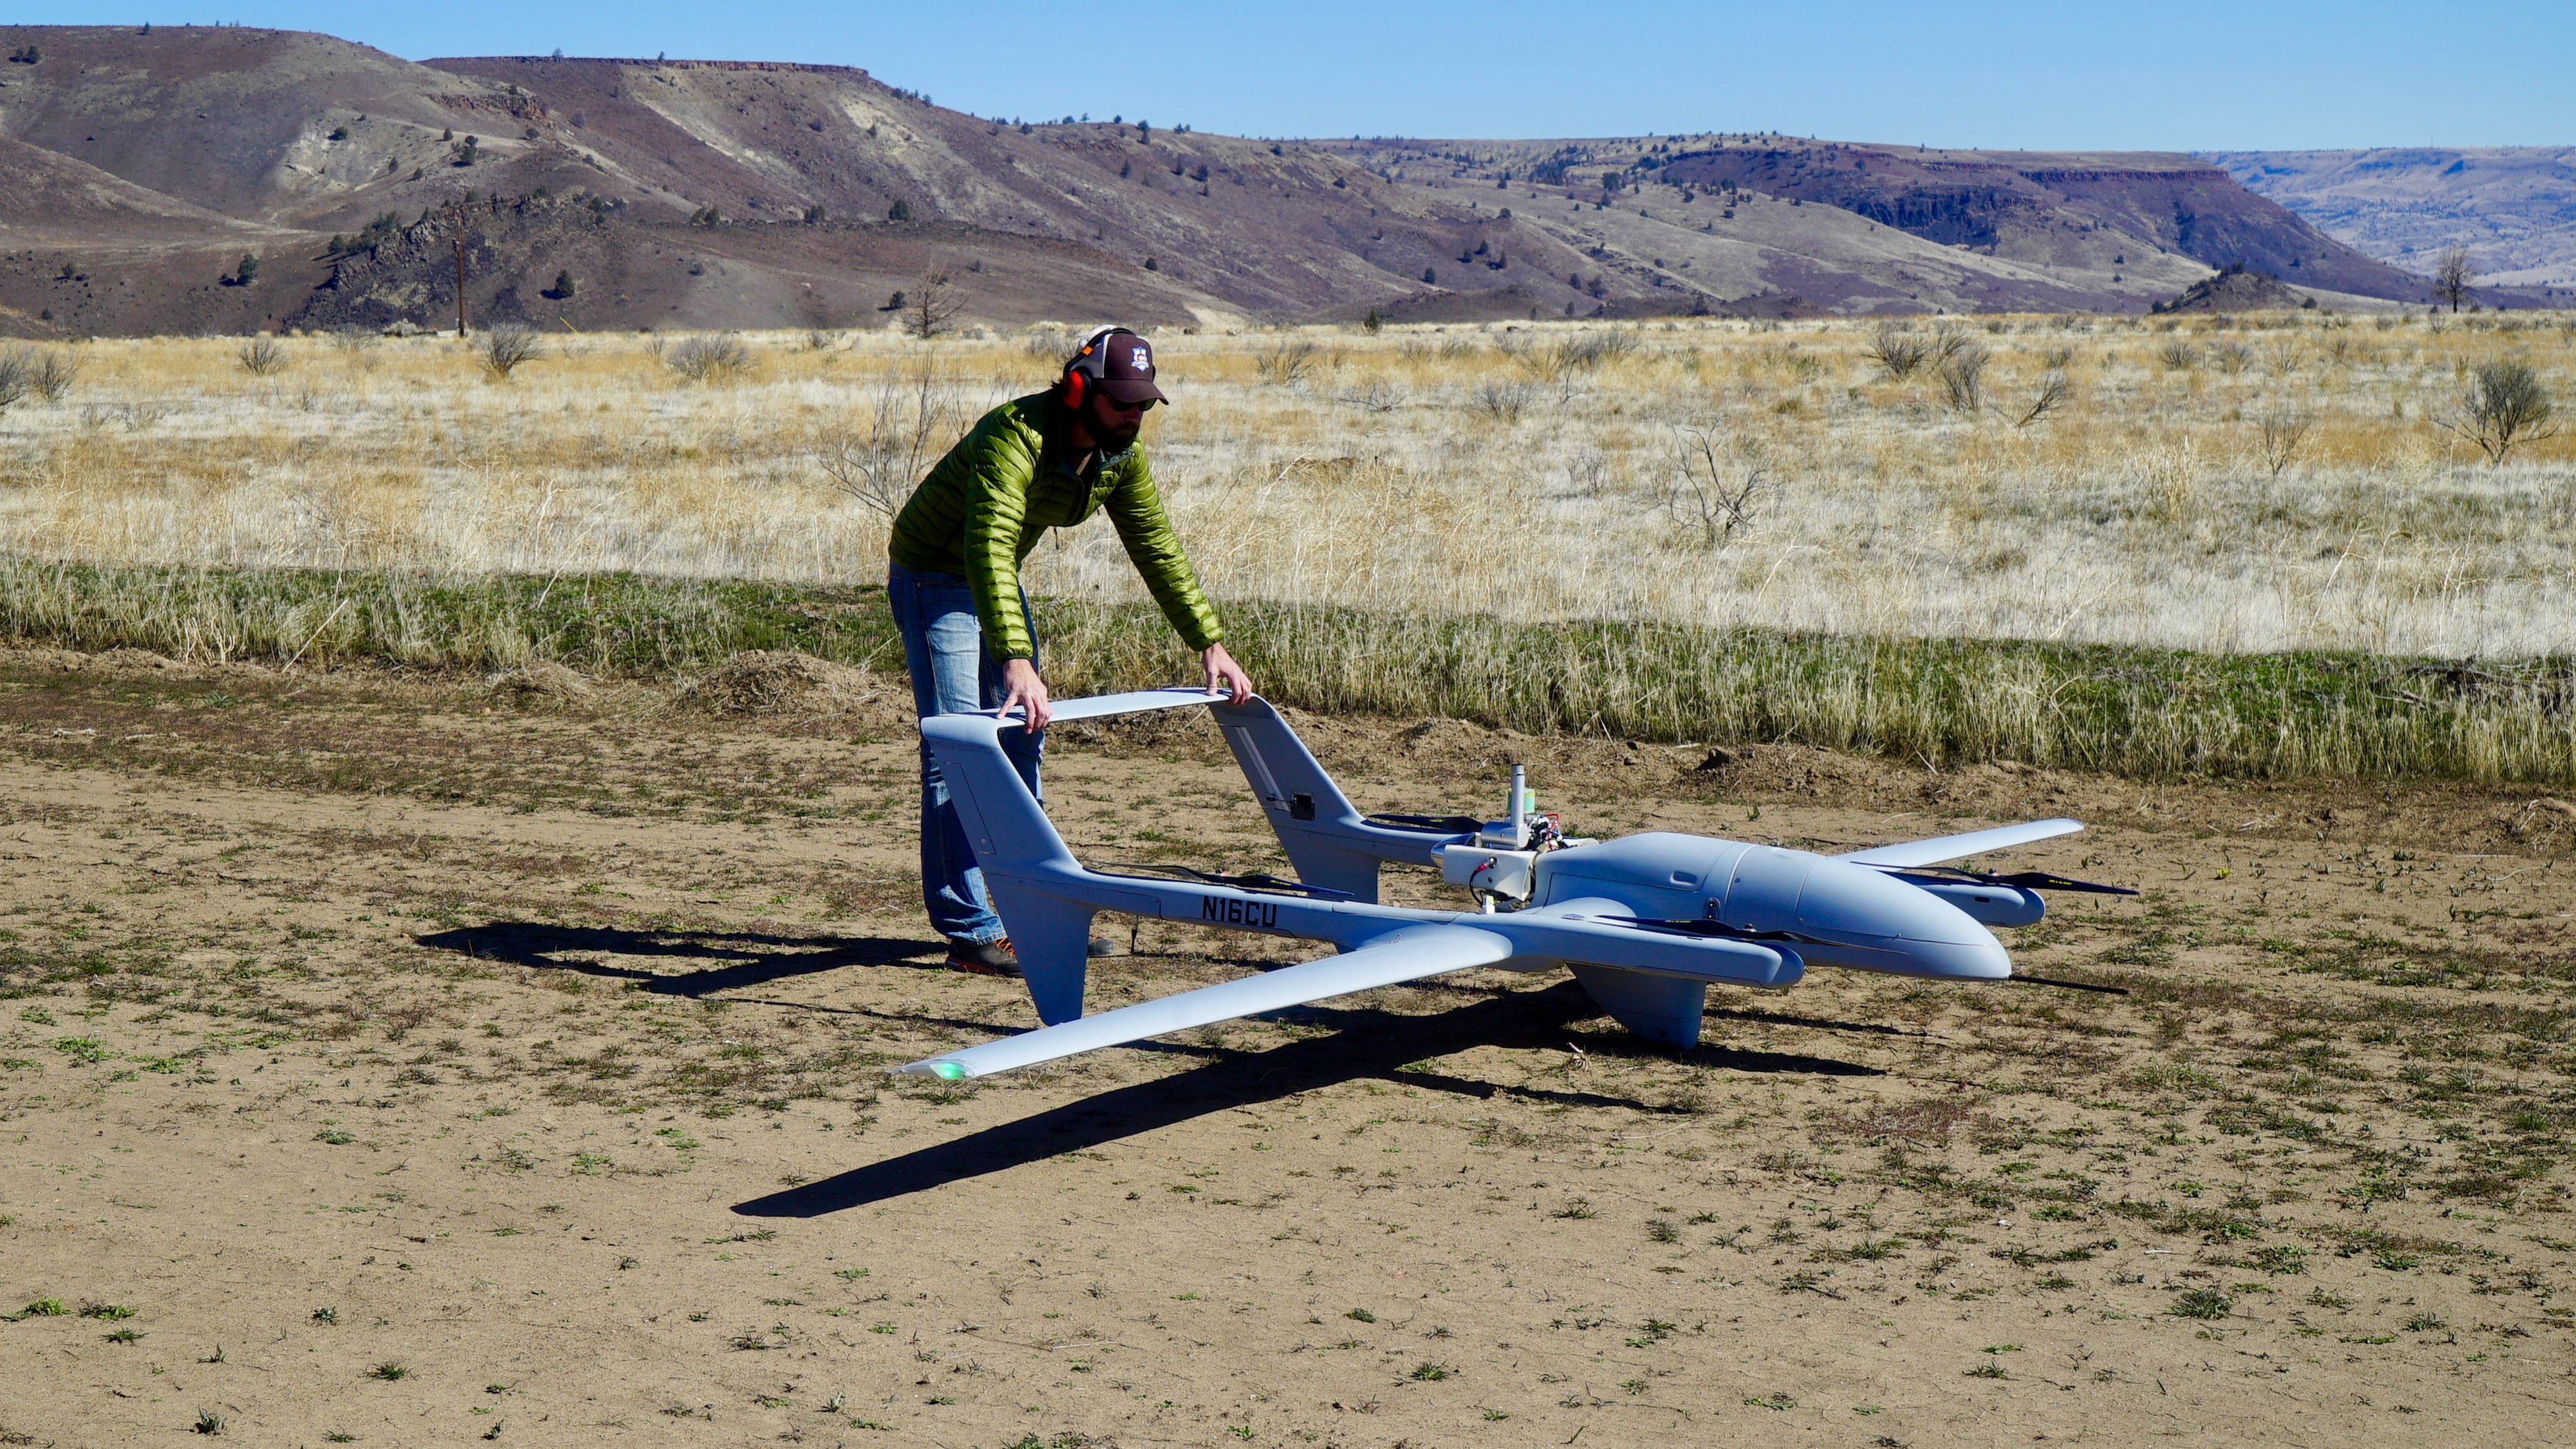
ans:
(1645, 922)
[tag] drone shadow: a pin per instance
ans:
(750, 958)
(1367, 1044)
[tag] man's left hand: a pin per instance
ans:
(1224, 676)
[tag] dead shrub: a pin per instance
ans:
(708, 359)
(544, 682)
(780, 682)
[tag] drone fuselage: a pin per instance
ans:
(1834, 913)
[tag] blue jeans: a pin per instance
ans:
(953, 673)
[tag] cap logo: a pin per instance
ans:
(1141, 360)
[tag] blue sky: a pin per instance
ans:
(2168, 74)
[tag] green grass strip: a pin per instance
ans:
(2149, 713)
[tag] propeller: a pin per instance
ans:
(2037, 880)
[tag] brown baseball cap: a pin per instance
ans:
(1126, 369)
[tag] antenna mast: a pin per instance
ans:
(460, 271)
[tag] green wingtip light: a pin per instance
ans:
(948, 1071)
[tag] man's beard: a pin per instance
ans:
(1115, 437)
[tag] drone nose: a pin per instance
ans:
(1953, 960)
(1874, 922)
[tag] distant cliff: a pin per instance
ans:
(2512, 207)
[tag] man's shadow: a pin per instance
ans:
(1363, 1043)
(747, 958)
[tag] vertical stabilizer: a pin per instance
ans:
(1003, 820)
(1027, 868)
(1325, 838)
(1052, 937)
(1016, 845)
(1659, 1008)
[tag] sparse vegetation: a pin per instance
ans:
(1962, 373)
(713, 358)
(1898, 349)
(2279, 435)
(2506, 407)
(907, 424)
(1284, 361)
(933, 306)
(262, 357)
(506, 347)
(2208, 1303)
(2454, 277)
(1504, 402)
(49, 372)
(1715, 486)
(2051, 396)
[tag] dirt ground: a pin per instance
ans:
(409, 1062)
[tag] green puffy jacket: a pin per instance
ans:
(989, 501)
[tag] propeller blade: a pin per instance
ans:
(2036, 880)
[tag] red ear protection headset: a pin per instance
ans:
(1089, 364)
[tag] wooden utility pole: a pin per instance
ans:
(460, 271)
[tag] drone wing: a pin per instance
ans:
(1405, 955)
(1958, 847)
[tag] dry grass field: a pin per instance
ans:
(408, 1063)
(2212, 484)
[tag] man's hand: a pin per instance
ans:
(1224, 676)
(1029, 692)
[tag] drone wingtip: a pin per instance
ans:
(946, 1071)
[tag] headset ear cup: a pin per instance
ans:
(1074, 388)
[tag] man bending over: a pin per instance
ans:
(1049, 460)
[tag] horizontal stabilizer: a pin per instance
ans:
(1959, 847)
(1100, 706)
(1406, 955)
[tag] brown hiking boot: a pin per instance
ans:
(984, 958)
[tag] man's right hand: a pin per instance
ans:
(1027, 691)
